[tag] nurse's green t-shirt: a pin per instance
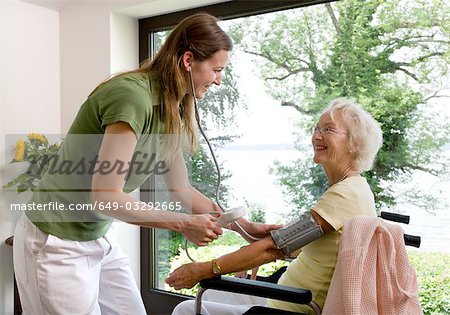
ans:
(133, 99)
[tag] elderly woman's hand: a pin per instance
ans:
(189, 275)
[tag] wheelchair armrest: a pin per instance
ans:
(258, 288)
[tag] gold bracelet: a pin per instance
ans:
(215, 267)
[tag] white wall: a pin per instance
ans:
(29, 97)
(52, 54)
(124, 52)
(85, 55)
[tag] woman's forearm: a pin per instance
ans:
(199, 229)
(202, 204)
(126, 208)
(248, 257)
(194, 201)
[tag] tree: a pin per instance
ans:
(257, 212)
(391, 56)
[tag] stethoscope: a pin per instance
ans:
(216, 164)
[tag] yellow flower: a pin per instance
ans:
(19, 150)
(36, 136)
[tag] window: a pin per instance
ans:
(294, 63)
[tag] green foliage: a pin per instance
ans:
(40, 155)
(433, 276)
(389, 56)
(303, 182)
(224, 244)
(204, 175)
(256, 212)
(172, 245)
(219, 104)
(169, 242)
(230, 238)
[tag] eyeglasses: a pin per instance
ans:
(328, 131)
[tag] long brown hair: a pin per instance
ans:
(200, 34)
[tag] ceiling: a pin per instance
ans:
(134, 8)
(157, 7)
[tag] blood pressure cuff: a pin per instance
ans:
(297, 233)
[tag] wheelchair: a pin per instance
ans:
(268, 288)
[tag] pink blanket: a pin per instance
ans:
(373, 274)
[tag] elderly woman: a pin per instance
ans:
(345, 142)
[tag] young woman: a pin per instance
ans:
(132, 125)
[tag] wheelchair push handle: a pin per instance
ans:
(394, 217)
(412, 240)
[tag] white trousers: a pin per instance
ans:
(57, 276)
(220, 303)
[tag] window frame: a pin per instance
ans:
(158, 301)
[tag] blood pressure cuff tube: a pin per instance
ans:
(297, 233)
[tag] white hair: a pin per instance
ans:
(365, 135)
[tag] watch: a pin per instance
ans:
(215, 267)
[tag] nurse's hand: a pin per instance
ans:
(255, 229)
(201, 229)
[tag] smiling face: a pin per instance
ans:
(208, 72)
(330, 142)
